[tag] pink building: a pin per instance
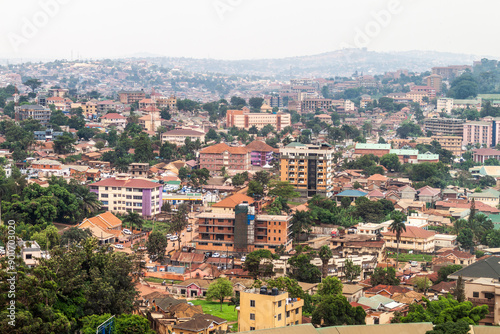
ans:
(483, 154)
(477, 132)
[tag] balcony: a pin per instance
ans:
(482, 301)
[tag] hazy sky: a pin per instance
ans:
(243, 29)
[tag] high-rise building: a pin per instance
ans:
(444, 126)
(308, 167)
(235, 226)
(128, 97)
(268, 308)
(434, 81)
(478, 132)
(35, 112)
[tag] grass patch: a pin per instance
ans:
(154, 280)
(405, 257)
(228, 311)
(295, 203)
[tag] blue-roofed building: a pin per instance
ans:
(47, 135)
(351, 194)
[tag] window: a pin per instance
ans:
(252, 303)
(297, 322)
(28, 256)
(137, 197)
(279, 317)
(252, 328)
(105, 202)
(279, 303)
(104, 195)
(288, 314)
(475, 294)
(252, 316)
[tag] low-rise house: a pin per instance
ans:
(489, 197)
(106, 227)
(428, 194)
(414, 238)
(191, 288)
(385, 290)
(179, 136)
(458, 257)
(445, 241)
(352, 292)
(201, 324)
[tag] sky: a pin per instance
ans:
(242, 29)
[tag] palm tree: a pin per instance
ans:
(133, 218)
(89, 202)
(397, 226)
(301, 221)
(325, 254)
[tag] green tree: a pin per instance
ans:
(156, 245)
(302, 268)
(329, 286)
(391, 162)
(335, 310)
(397, 226)
(447, 270)
(64, 144)
(351, 270)
(325, 254)
(256, 102)
(32, 83)
(459, 327)
(255, 189)
(444, 310)
(459, 292)
(301, 221)
(133, 219)
(74, 235)
(219, 289)
(253, 265)
(143, 148)
(466, 238)
(89, 202)
(262, 177)
(384, 276)
(283, 189)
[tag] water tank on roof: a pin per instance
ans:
(263, 290)
(275, 291)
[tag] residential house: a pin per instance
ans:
(261, 154)
(428, 194)
(458, 257)
(106, 227)
(489, 197)
(201, 324)
(113, 119)
(191, 288)
(234, 159)
(414, 239)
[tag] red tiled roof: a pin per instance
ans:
(390, 289)
(233, 200)
(480, 206)
(356, 304)
(129, 183)
(219, 148)
(259, 146)
(413, 232)
(113, 115)
(377, 177)
(457, 253)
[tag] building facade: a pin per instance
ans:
(121, 194)
(477, 132)
(179, 136)
(221, 155)
(128, 97)
(35, 112)
(308, 167)
(444, 126)
(245, 120)
(268, 308)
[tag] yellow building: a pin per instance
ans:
(263, 309)
(308, 167)
(450, 143)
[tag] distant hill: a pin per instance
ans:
(341, 62)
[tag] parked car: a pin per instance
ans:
(168, 236)
(126, 231)
(174, 238)
(243, 258)
(142, 248)
(223, 256)
(119, 246)
(215, 255)
(189, 229)
(414, 263)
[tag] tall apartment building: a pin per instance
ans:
(245, 120)
(444, 105)
(268, 308)
(234, 226)
(450, 72)
(221, 155)
(128, 97)
(477, 132)
(435, 81)
(122, 193)
(444, 126)
(36, 112)
(308, 167)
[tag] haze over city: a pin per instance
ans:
(239, 29)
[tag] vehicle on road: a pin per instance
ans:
(414, 263)
(127, 231)
(119, 246)
(215, 255)
(174, 238)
